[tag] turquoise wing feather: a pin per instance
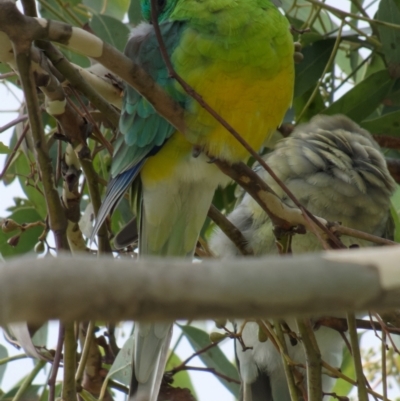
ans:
(141, 127)
(142, 131)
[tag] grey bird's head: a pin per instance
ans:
(335, 169)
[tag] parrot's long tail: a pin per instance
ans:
(116, 189)
(172, 216)
(149, 359)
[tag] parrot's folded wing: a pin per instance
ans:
(143, 132)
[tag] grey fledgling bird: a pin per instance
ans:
(336, 170)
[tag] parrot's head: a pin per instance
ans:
(164, 9)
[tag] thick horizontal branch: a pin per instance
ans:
(104, 289)
(394, 168)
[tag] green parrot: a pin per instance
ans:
(238, 55)
(336, 170)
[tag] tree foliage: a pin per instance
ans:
(351, 65)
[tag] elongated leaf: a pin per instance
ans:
(23, 169)
(388, 124)
(52, 9)
(213, 358)
(3, 148)
(33, 348)
(28, 238)
(181, 379)
(112, 8)
(121, 369)
(309, 71)
(359, 102)
(134, 12)
(390, 38)
(316, 106)
(110, 30)
(29, 395)
(394, 211)
(3, 354)
(343, 388)
(302, 10)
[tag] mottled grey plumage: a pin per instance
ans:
(336, 170)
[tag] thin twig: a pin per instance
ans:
(313, 360)
(85, 353)
(326, 69)
(8, 75)
(351, 232)
(361, 384)
(69, 383)
(214, 372)
(384, 367)
(57, 219)
(186, 361)
(16, 121)
(230, 230)
(99, 136)
(16, 147)
(12, 358)
(338, 374)
(76, 80)
(28, 380)
(56, 363)
(289, 369)
(343, 14)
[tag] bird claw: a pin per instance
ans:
(196, 151)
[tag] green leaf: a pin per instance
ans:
(121, 369)
(225, 198)
(302, 10)
(309, 71)
(45, 392)
(359, 102)
(4, 149)
(3, 354)
(40, 336)
(395, 212)
(86, 396)
(110, 30)
(28, 238)
(390, 38)
(112, 8)
(388, 124)
(134, 12)
(393, 97)
(29, 395)
(70, 13)
(342, 388)
(182, 378)
(316, 106)
(76, 58)
(214, 358)
(23, 169)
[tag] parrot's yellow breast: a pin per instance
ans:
(253, 107)
(250, 85)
